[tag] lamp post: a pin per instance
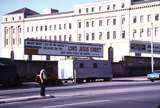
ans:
(152, 59)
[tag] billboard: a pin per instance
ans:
(144, 47)
(54, 48)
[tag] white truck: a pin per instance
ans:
(84, 70)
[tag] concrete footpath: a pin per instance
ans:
(4, 99)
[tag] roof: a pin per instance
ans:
(26, 11)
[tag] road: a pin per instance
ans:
(115, 94)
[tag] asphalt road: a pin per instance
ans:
(124, 94)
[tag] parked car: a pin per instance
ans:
(155, 75)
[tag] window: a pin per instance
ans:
(13, 41)
(114, 6)
(13, 30)
(92, 9)
(50, 27)
(70, 38)
(148, 32)
(100, 23)
(108, 7)
(70, 26)
(36, 28)
(64, 26)
(114, 21)
(55, 37)
(87, 36)
(92, 23)
(55, 27)
(114, 34)
(6, 19)
(65, 37)
(19, 29)
(93, 37)
(156, 31)
(60, 38)
(12, 18)
(87, 24)
(141, 19)
(122, 5)
(27, 29)
(123, 20)
(87, 10)
(134, 33)
(156, 17)
(108, 35)
(123, 34)
(100, 8)
(134, 19)
(60, 27)
(108, 20)
(79, 37)
(41, 29)
(148, 18)
(79, 25)
(79, 10)
(100, 35)
(32, 28)
(20, 18)
(50, 37)
(141, 32)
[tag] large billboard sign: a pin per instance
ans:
(144, 47)
(54, 48)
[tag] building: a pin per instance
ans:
(125, 27)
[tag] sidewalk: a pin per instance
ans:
(139, 78)
(26, 98)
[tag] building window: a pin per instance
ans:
(134, 33)
(19, 29)
(100, 23)
(148, 32)
(148, 18)
(13, 41)
(87, 10)
(50, 37)
(79, 10)
(81, 65)
(114, 6)
(70, 38)
(32, 29)
(64, 26)
(27, 29)
(156, 31)
(50, 27)
(92, 9)
(79, 37)
(141, 32)
(55, 27)
(79, 25)
(108, 20)
(60, 27)
(45, 27)
(134, 19)
(141, 18)
(122, 5)
(123, 34)
(114, 34)
(65, 37)
(87, 24)
(100, 8)
(20, 18)
(108, 7)
(95, 65)
(60, 38)
(36, 28)
(156, 17)
(87, 36)
(12, 18)
(114, 21)
(93, 36)
(6, 19)
(55, 37)
(70, 26)
(41, 28)
(92, 23)
(100, 35)
(123, 20)
(108, 35)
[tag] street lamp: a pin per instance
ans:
(152, 59)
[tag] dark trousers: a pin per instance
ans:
(42, 92)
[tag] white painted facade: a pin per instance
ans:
(113, 23)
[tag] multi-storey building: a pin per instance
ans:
(125, 27)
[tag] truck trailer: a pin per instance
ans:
(84, 70)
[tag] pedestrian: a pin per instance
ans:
(43, 81)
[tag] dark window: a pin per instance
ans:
(79, 24)
(156, 17)
(79, 10)
(81, 65)
(70, 26)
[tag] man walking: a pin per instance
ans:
(43, 80)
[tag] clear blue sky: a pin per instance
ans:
(38, 5)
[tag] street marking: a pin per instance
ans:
(78, 103)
